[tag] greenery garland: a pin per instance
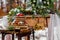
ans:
(43, 7)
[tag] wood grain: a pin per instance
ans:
(2, 13)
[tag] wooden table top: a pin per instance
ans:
(13, 31)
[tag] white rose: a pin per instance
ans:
(12, 10)
(9, 12)
(16, 10)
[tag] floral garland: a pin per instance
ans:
(13, 12)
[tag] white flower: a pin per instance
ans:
(42, 7)
(44, 1)
(9, 12)
(34, 11)
(18, 13)
(34, 1)
(33, 5)
(48, 10)
(48, 3)
(12, 10)
(40, 0)
(16, 10)
(28, 9)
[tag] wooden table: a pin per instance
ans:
(20, 34)
(5, 32)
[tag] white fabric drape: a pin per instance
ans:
(50, 28)
(3, 22)
(57, 32)
(54, 27)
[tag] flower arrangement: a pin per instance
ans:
(13, 12)
(41, 8)
(44, 7)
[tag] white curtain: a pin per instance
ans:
(50, 27)
(57, 32)
(54, 27)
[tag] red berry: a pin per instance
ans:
(20, 14)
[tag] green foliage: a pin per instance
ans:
(10, 27)
(43, 8)
(13, 13)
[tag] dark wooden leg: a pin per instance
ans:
(33, 35)
(32, 32)
(12, 36)
(28, 37)
(19, 37)
(3, 36)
